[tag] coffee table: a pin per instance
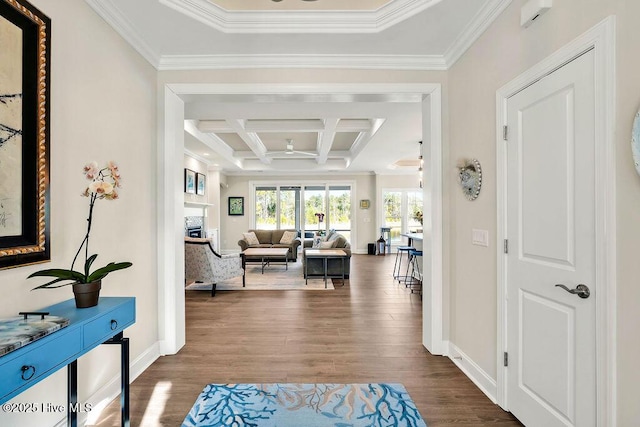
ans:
(325, 255)
(266, 256)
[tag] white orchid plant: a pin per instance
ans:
(104, 184)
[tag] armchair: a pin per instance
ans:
(202, 264)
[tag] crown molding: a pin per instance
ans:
(198, 157)
(371, 62)
(112, 16)
(472, 32)
(317, 21)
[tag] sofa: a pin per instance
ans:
(271, 239)
(333, 240)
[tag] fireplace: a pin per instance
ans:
(194, 226)
(194, 231)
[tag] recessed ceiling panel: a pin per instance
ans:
(278, 141)
(233, 140)
(344, 141)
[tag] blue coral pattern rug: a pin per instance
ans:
(304, 405)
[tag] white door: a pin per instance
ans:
(551, 240)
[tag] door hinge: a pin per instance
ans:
(506, 359)
(506, 246)
(505, 132)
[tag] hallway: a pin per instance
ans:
(367, 331)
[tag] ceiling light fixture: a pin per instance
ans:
(421, 165)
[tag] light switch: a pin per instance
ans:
(480, 237)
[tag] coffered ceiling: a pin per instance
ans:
(252, 134)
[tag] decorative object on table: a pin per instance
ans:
(24, 134)
(365, 204)
(189, 181)
(86, 285)
(286, 404)
(635, 142)
(17, 332)
(236, 206)
(470, 176)
(418, 216)
(201, 181)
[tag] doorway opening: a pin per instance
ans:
(170, 210)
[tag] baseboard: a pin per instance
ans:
(475, 373)
(101, 398)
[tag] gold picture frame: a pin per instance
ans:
(25, 56)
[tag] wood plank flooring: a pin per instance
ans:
(367, 331)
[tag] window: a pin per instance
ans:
(266, 208)
(313, 208)
(399, 212)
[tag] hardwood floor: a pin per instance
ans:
(367, 331)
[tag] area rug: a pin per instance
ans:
(304, 405)
(275, 277)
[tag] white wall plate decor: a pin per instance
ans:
(470, 176)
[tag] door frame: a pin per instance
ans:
(170, 222)
(601, 39)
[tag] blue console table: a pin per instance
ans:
(87, 329)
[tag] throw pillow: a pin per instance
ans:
(251, 238)
(288, 237)
(326, 245)
(340, 242)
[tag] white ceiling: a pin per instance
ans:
(243, 134)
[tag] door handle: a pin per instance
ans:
(581, 290)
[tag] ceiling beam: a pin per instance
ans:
(277, 125)
(326, 139)
(251, 139)
(214, 126)
(311, 125)
(353, 125)
(363, 139)
(212, 141)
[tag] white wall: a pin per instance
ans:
(102, 108)
(501, 54)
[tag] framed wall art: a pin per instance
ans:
(201, 184)
(236, 205)
(25, 54)
(189, 181)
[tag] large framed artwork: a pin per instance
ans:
(25, 51)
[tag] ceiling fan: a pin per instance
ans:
(291, 151)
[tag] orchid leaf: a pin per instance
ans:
(87, 264)
(48, 284)
(102, 272)
(59, 273)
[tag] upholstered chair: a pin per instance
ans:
(204, 265)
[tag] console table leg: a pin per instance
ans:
(124, 376)
(72, 393)
(124, 398)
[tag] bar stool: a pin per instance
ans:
(415, 271)
(397, 265)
